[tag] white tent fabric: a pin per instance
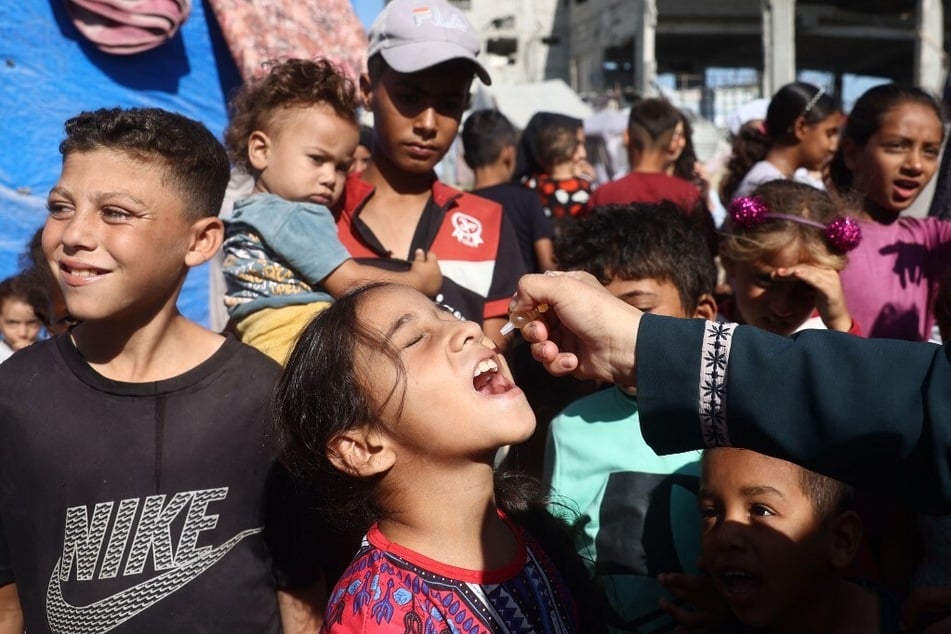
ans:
(519, 102)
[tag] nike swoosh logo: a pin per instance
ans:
(105, 614)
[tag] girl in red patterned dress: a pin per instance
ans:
(396, 409)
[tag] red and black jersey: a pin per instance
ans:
(476, 246)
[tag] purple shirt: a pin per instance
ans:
(893, 274)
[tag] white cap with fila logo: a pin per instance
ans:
(414, 35)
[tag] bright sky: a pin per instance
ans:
(366, 10)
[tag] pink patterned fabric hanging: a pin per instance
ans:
(260, 30)
(124, 27)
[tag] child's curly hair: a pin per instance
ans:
(289, 83)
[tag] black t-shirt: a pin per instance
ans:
(137, 506)
(526, 213)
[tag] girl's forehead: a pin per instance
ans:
(790, 254)
(393, 294)
(911, 112)
(390, 302)
(12, 303)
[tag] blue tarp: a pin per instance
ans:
(50, 73)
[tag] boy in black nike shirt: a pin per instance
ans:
(135, 453)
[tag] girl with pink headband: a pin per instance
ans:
(782, 251)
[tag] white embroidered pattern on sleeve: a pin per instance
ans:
(714, 356)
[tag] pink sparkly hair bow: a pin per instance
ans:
(843, 234)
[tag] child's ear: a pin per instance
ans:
(207, 234)
(799, 128)
(507, 157)
(361, 452)
(259, 149)
(846, 533)
(706, 307)
(366, 91)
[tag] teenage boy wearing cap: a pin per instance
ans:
(422, 60)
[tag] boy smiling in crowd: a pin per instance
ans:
(135, 455)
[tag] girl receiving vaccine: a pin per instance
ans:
(396, 410)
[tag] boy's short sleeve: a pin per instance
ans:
(303, 235)
(542, 226)
(308, 242)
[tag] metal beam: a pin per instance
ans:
(931, 62)
(645, 57)
(709, 27)
(779, 44)
(861, 33)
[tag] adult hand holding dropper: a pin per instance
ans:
(706, 384)
(595, 332)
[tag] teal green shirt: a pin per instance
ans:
(636, 511)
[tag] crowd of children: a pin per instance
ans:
(393, 476)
